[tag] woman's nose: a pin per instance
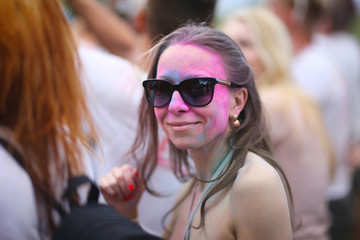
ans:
(177, 103)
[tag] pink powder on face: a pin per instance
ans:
(186, 126)
(192, 65)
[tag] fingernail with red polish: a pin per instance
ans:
(137, 173)
(124, 199)
(131, 187)
(130, 196)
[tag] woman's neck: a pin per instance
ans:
(208, 158)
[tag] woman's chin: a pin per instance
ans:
(186, 145)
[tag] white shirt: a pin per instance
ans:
(114, 93)
(18, 210)
(344, 49)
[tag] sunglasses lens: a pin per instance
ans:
(197, 92)
(158, 92)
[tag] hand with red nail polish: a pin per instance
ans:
(122, 189)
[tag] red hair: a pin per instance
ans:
(41, 97)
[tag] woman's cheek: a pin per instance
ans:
(219, 124)
(160, 115)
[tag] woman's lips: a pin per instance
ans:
(182, 126)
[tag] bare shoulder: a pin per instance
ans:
(256, 173)
(258, 202)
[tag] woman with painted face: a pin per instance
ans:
(201, 92)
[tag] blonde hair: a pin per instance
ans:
(271, 42)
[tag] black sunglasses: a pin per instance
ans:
(196, 92)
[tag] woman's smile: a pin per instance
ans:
(183, 125)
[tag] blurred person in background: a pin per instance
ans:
(151, 20)
(42, 115)
(108, 25)
(299, 139)
(322, 79)
(344, 49)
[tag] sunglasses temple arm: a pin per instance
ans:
(222, 82)
(229, 84)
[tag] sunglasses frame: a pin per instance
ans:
(176, 87)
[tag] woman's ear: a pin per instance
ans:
(240, 98)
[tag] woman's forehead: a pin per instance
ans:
(183, 60)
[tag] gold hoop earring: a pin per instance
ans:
(236, 121)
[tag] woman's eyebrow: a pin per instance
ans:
(169, 78)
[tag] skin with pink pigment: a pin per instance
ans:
(191, 127)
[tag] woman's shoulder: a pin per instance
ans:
(281, 97)
(258, 179)
(17, 203)
(258, 202)
(256, 171)
(15, 182)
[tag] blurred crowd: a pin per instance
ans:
(305, 55)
